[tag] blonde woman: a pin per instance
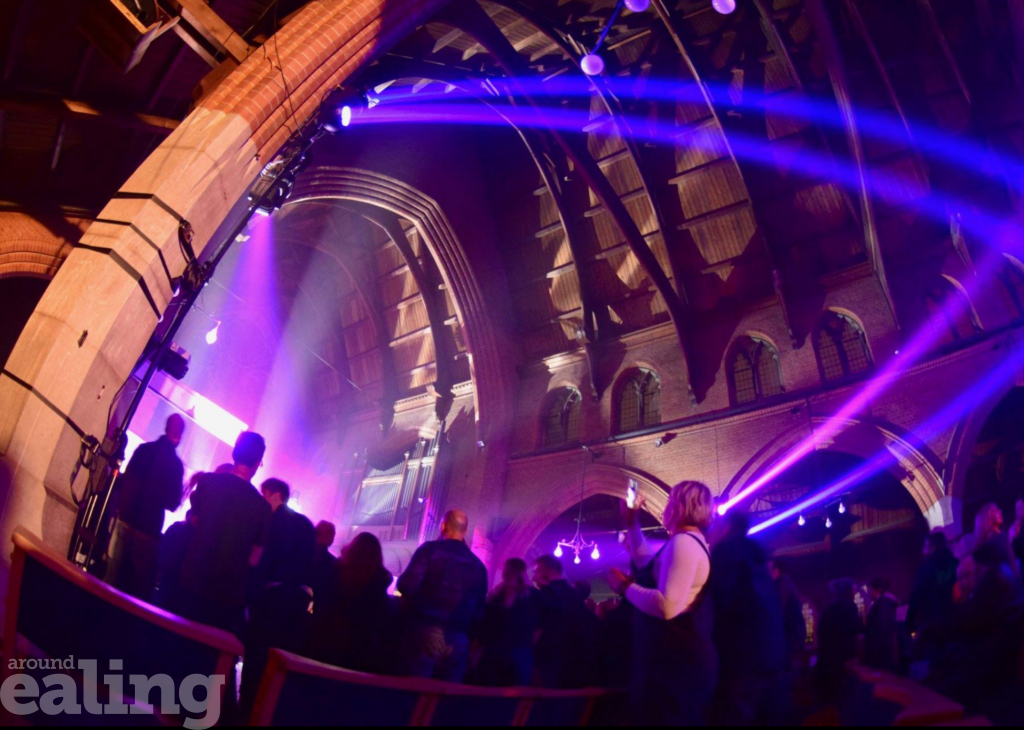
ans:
(675, 666)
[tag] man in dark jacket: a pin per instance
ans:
(279, 589)
(151, 485)
(565, 656)
(749, 632)
(444, 592)
(231, 526)
(931, 600)
(880, 651)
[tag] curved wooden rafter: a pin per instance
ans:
(840, 84)
(391, 70)
(616, 110)
(674, 32)
(471, 19)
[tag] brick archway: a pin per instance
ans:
(555, 499)
(91, 326)
(916, 467)
(28, 247)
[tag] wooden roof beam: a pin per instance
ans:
(214, 30)
(72, 108)
(822, 26)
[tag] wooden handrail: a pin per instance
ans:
(32, 546)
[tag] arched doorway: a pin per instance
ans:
(601, 524)
(546, 506)
(995, 472)
(873, 529)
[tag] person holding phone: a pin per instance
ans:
(675, 666)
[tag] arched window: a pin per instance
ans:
(562, 418)
(841, 347)
(1013, 282)
(949, 313)
(639, 401)
(754, 371)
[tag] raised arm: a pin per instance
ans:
(639, 549)
(674, 594)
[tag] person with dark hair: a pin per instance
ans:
(151, 485)
(444, 592)
(749, 635)
(931, 598)
(354, 618)
(675, 665)
(232, 522)
(838, 632)
(323, 560)
(880, 637)
(279, 593)
(565, 652)
(509, 625)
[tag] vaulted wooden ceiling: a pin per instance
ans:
(684, 194)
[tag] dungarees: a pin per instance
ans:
(675, 666)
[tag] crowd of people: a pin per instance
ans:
(705, 627)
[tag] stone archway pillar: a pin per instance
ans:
(92, 324)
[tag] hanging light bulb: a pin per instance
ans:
(801, 521)
(638, 6)
(592, 64)
(725, 7)
(558, 551)
(596, 555)
(842, 508)
(828, 523)
(211, 336)
(577, 560)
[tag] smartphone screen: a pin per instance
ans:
(631, 492)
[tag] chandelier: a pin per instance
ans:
(579, 544)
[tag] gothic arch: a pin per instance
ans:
(916, 467)
(492, 380)
(554, 499)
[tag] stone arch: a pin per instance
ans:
(961, 451)
(492, 381)
(90, 328)
(29, 248)
(916, 467)
(549, 503)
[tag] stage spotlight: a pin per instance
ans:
(801, 521)
(211, 336)
(725, 7)
(638, 6)
(341, 107)
(592, 64)
(558, 551)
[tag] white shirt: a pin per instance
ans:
(682, 568)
